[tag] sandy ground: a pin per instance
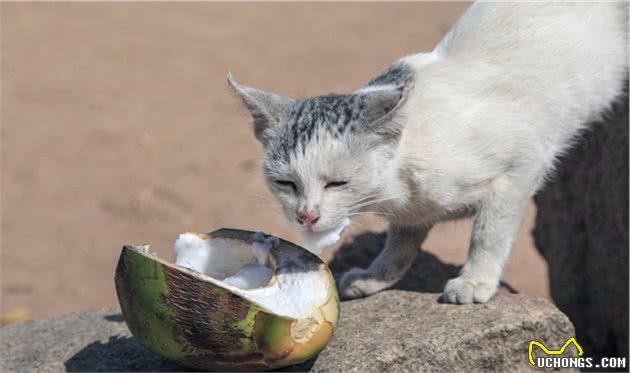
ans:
(118, 127)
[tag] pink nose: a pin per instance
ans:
(307, 218)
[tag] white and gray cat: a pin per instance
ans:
(473, 127)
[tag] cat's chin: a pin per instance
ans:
(316, 241)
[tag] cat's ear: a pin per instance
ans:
(266, 108)
(382, 109)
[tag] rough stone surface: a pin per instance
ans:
(405, 329)
(391, 331)
(582, 231)
(77, 342)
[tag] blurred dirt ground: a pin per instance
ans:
(118, 127)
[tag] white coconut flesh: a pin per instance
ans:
(315, 241)
(246, 270)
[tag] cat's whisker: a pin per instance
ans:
(261, 197)
(369, 213)
(262, 203)
(266, 205)
(371, 199)
(354, 224)
(368, 198)
(371, 202)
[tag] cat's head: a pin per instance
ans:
(326, 157)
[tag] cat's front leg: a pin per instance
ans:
(495, 226)
(389, 267)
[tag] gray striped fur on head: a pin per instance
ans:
(291, 124)
(316, 119)
(397, 74)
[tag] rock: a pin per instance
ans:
(391, 331)
(582, 231)
(76, 342)
(396, 330)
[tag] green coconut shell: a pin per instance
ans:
(180, 315)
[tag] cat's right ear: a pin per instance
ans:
(266, 108)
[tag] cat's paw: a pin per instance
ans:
(464, 290)
(359, 283)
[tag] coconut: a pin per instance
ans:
(315, 242)
(206, 323)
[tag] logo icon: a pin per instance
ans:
(553, 352)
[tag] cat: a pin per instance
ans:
(473, 127)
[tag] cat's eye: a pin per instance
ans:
(335, 184)
(286, 184)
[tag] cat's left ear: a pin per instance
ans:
(266, 108)
(382, 105)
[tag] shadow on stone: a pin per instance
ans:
(427, 274)
(119, 354)
(114, 317)
(303, 367)
(126, 354)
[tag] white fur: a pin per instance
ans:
(493, 106)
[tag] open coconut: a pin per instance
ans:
(207, 323)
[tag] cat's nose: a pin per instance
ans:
(307, 218)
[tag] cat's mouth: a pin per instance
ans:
(316, 241)
(325, 226)
(319, 229)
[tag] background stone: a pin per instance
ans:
(582, 231)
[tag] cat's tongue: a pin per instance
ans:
(315, 242)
